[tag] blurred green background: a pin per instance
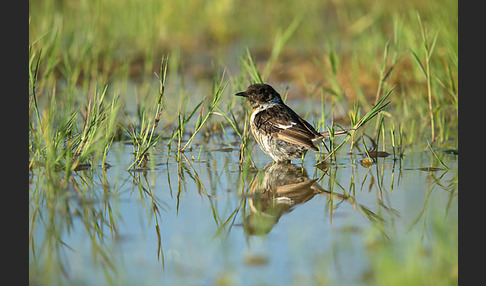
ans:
(106, 38)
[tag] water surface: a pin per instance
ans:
(275, 225)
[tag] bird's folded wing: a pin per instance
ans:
(284, 124)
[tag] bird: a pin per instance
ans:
(279, 131)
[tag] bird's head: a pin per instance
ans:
(260, 93)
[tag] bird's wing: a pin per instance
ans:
(282, 123)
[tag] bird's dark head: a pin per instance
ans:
(260, 93)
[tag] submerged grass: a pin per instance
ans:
(218, 90)
(375, 110)
(144, 139)
(344, 69)
(340, 56)
(66, 138)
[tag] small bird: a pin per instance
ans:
(279, 131)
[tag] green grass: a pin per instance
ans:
(344, 60)
(99, 72)
(64, 137)
(143, 137)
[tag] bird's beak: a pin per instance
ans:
(243, 93)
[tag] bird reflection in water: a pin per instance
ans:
(275, 191)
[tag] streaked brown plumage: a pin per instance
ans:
(279, 131)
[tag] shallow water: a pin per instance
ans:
(280, 225)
